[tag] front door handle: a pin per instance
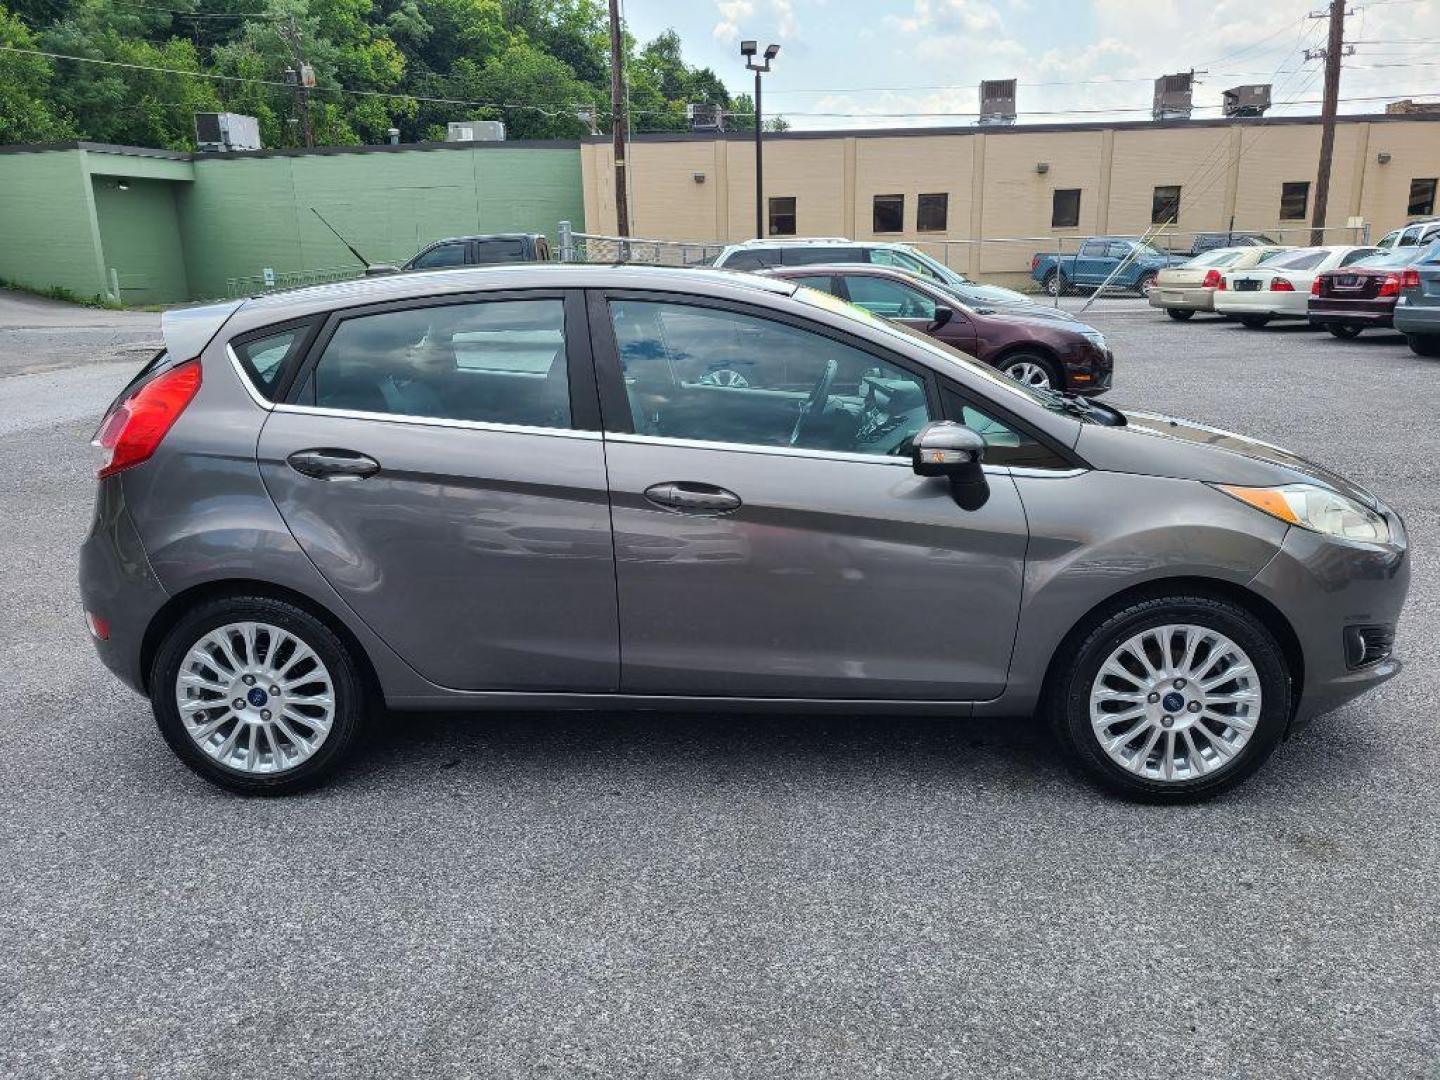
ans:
(333, 464)
(692, 498)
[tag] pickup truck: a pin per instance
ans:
(1098, 257)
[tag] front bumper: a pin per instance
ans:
(1089, 370)
(1324, 311)
(117, 584)
(1186, 298)
(1324, 587)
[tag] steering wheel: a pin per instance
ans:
(815, 404)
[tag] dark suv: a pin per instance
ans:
(479, 250)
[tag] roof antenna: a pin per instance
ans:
(363, 261)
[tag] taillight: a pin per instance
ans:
(1315, 287)
(1390, 286)
(1034, 263)
(1410, 279)
(1279, 284)
(134, 428)
(1213, 280)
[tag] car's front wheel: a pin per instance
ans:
(1424, 344)
(1343, 331)
(1032, 369)
(257, 695)
(1172, 698)
(1179, 314)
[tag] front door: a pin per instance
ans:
(771, 539)
(441, 467)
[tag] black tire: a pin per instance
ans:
(1180, 314)
(1067, 700)
(1424, 344)
(1044, 363)
(350, 706)
(1344, 331)
(1254, 322)
(1147, 283)
(1055, 284)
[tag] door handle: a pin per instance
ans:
(333, 464)
(693, 498)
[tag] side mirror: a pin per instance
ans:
(945, 448)
(942, 316)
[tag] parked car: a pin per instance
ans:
(1069, 356)
(1279, 288)
(1190, 287)
(1362, 296)
(1209, 241)
(1417, 310)
(767, 254)
(475, 251)
(327, 499)
(1416, 234)
(1096, 259)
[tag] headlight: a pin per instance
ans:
(1094, 336)
(1316, 508)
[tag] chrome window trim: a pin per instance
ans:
(435, 421)
(1047, 474)
(245, 380)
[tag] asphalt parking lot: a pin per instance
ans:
(681, 896)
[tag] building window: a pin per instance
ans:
(889, 214)
(1422, 197)
(1294, 200)
(1165, 206)
(782, 215)
(1065, 208)
(932, 213)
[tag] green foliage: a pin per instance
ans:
(535, 64)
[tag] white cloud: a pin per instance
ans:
(731, 13)
(780, 14)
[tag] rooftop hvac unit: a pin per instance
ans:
(1172, 96)
(997, 101)
(1246, 100)
(221, 132)
(704, 116)
(475, 131)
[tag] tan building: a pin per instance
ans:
(1034, 186)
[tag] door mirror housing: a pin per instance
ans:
(945, 448)
(381, 270)
(942, 316)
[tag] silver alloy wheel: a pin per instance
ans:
(1175, 703)
(723, 377)
(1054, 284)
(1029, 373)
(255, 697)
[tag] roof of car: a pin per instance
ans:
(813, 241)
(489, 236)
(870, 269)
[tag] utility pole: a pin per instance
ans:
(301, 76)
(617, 119)
(1333, 51)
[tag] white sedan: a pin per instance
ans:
(1280, 287)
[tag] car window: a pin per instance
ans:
(823, 282)
(901, 260)
(809, 256)
(1300, 260)
(493, 251)
(1004, 443)
(264, 358)
(727, 376)
(881, 296)
(1355, 256)
(1094, 249)
(1119, 249)
(751, 260)
(499, 361)
(442, 255)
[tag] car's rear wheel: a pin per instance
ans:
(1172, 699)
(1179, 314)
(1343, 331)
(1147, 283)
(1254, 322)
(1055, 284)
(1032, 369)
(257, 695)
(1423, 344)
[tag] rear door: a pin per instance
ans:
(441, 465)
(772, 540)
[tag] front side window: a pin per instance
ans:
(1065, 208)
(1004, 444)
(727, 376)
(1422, 198)
(442, 255)
(1165, 205)
(782, 216)
(263, 358)
(1294, 200)
(888, 214)
(498, 361)
(932, 213)
(891, 299)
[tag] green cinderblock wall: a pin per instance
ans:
(140, 238)
(48, 231)
(185, 229)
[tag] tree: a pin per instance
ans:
(25, 83)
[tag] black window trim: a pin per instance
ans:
(944, 197)
(299, 349)
(579, 368)
(1055, 193)
(466, 245)
(874, 205)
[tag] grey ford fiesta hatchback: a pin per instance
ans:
(571, 486)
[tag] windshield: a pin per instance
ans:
(1001, 384)
(931, 267)
(1397, 257)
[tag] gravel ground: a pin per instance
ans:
(682, 896)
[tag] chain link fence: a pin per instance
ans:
(268, 281)
(596, 248)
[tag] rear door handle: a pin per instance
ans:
(329, 463)
(693, 498)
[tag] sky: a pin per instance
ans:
(902, 63)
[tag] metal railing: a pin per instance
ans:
(596, 248)
(288, 279)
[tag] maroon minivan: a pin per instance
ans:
(1037, 348)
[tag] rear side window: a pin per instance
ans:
(810, 256)
(266, 356)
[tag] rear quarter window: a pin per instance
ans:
(268, 356)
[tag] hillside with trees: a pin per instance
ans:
(541, 66)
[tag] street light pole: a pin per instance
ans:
(748, 50)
